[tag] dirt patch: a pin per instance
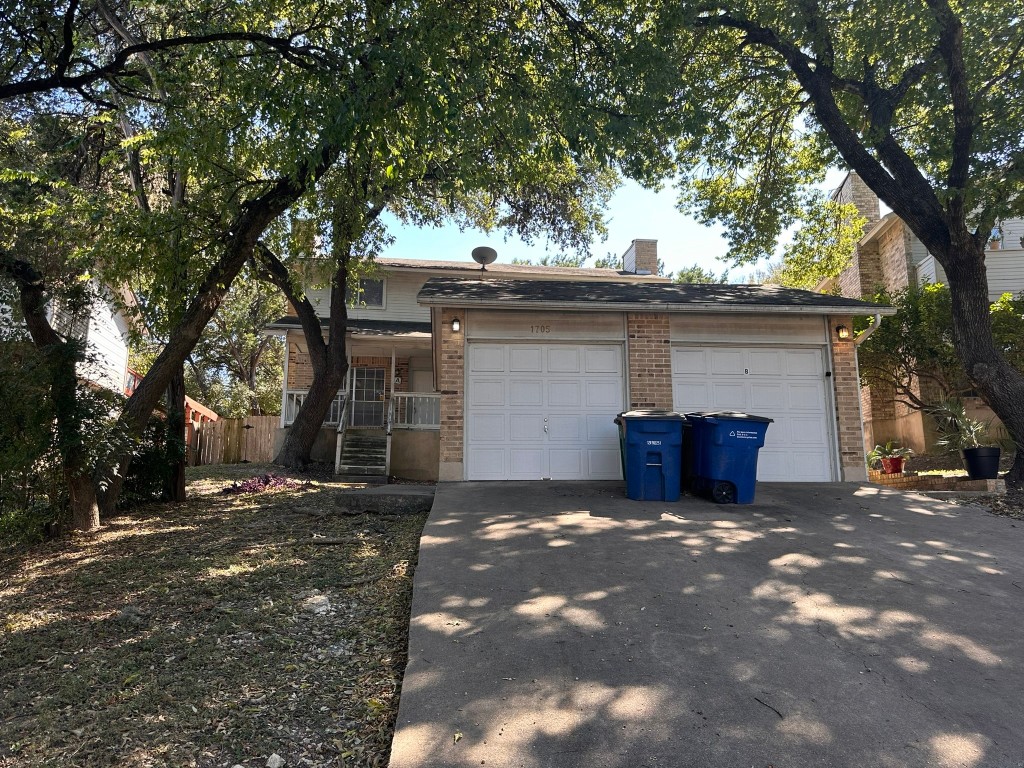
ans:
(213, 633)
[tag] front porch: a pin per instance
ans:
(388, 393)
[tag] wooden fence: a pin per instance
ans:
(232, 441)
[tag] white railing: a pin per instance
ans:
(293, 401)
(416, 410)
(339, 439)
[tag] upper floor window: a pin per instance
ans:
(370, 293)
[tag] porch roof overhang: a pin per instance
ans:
(638, 297)
(377, 329)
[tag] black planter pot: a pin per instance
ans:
(982, 463)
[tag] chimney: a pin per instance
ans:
(641, 258)
(854, 190)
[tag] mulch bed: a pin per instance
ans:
(218, 632)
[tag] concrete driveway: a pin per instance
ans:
(559, 624)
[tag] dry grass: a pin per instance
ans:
(183, 635)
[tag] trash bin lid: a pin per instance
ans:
(650, 413)
(734, 415)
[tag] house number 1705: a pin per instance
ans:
(540, 329)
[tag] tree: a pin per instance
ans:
(697, 274)
(446, 148)
(556, 260)
(923, 99)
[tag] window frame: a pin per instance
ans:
(356, 302)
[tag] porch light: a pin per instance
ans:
(456, 325)
(842, 332)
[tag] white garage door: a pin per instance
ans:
(787, 385)
(537, 411)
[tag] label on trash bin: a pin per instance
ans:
(654, 442)
(745, 434)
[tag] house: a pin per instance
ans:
(103, 325)
(518, 372)
(888, 256)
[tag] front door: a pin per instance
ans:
(368, 397)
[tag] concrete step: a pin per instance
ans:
(364, 479)
(361, 469)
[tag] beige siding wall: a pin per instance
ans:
(107, 341)
(747, 329)
(400, 291)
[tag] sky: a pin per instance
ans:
(633, 213)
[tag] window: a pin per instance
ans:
(370, 293)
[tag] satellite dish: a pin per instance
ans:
(484, 256)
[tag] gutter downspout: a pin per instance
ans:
(871, 329)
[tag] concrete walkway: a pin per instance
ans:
(559, 624)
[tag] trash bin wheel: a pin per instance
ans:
(723, 492)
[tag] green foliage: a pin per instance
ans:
(555, 260)
(956, 429)
(822, 246)
(696, 274)
(148, 471)
(891, 449)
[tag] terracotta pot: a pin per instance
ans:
(893, 465)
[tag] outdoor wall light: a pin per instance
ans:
(456, 325)
(842, 332)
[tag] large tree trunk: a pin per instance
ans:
(174, 486)
(1000, 384)
(302, 434)
(85, 511)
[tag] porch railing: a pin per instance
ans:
(295, 397)
(416, 410)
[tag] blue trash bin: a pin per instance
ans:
(725, 447)
(652, 454)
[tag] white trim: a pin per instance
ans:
(659, 307)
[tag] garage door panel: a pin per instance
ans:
(569, 428)
(804, 362)
(487, 464)
(525, 393)
(787, 385)
(806, 397)
(693, 361)
(563, 359)
(525, 359)
(565, 463)
(487, 427)
(526, 463)
(767, 362)
(487, 393)
(601, 427)
(728, 362)
(565, 393)
(485, 358)
(604, 464)
(604, 394)
(524, 427)
(603, 360)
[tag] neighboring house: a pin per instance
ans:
(889, 256)
(103, 326)
(518, 372)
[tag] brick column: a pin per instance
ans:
(649, 356)
(452, 382)
(846, 389)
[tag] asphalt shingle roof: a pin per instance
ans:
(364, 327)
(661, 297)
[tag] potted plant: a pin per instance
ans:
(959, 432)
(891, 456)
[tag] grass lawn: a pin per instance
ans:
(212, 633)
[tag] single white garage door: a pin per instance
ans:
(787, 385)
(536, 411)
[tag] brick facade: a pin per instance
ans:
(452, 383)
(300, 370)
(846, 391)
(649, 354)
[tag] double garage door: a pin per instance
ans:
(538, 411)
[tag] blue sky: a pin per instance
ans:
(633, 212)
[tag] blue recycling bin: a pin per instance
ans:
(651, 443)
(725, 447)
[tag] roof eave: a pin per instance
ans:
(714, 307)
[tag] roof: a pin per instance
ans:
(631, 296)
(498, 268)
(361, 327)
(878, 228)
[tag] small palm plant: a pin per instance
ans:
(891, 456)
(957, 430)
